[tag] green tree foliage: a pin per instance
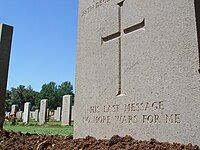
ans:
(65, 88)
(19, 96)
(54, 93)
(50, 91)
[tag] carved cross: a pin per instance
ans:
(118, 35)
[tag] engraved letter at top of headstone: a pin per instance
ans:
(5, 48)
(137, 70)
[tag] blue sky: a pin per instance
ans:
(44, 41)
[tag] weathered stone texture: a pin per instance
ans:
(137, 70)
(66, 110)
(43, 111)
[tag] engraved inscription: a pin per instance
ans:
(96, 4)
(132, 113)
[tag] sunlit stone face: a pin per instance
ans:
(137, 70)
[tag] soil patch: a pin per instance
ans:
(19, 141)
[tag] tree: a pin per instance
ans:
(54, 93)
(66, 88)
(19, 96)
(48, 91)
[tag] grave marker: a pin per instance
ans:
(57, 114)
(5, 48)
(43, 111)
(14, 109)
(66, 110)
(37, 115)
(138, 70)
(26, 112)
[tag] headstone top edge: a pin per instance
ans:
(6, 26)
(67, 96)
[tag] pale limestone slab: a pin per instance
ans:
(26, 112)
(72, 114)
(19, 115)
(66, 110)
(32, 114)
(37, 115)
(57, 114)
(43, 111)
(137, 70)
(14, 109)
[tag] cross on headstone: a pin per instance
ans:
(118, 35)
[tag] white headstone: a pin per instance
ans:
(72, 114)
(66, 110)
(57, 114)
(43, 111)
(137, 70)
(14, 109)
(19, 115)
(32, 114)
(26, 112)
(37, 115)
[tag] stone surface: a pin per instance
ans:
(26, 112)
(43, 111)
(5, 48)
(14, 109)
(57, 114)
(72, 114)
(37, 115)
(7, 114)
(137, 70)
(48, 114)
(32, 114)
(19, 115)
(66, 110)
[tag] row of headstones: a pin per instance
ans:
(64, 114)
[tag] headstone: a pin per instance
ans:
(14, 109)
(59, 109)
(19, 115)
(72, 115)
(57, 114)
(137, 70)
(22, 115)
(47, 114)
(66, 110)
(5, 48)
(26, 112)
(37, 115)
(43, 111)
(32, 114)
(7, 114)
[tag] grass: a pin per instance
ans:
(50, 128)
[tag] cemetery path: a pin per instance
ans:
(16, 141)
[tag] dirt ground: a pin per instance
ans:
(19, 141)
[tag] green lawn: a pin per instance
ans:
(51, 128)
